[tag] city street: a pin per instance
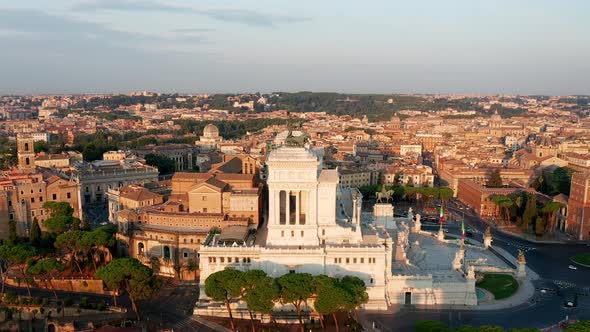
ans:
(549, 260)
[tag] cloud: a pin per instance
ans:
(228, 15)
(35, 24)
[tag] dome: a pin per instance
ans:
(496, 117)
(210, 131)
(395, 119)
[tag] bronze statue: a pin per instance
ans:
(296, 141)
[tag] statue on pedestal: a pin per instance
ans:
(384, 194)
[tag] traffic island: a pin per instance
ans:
(500, 285)
(581, 259)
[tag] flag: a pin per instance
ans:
(441, 215)
(463, 230)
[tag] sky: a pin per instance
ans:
(222, 46)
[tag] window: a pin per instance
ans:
(184, 240)
(335, 260)
(40, 190)
(54, 196)
(323, 232)
(204, 210)
(347, 260)
(229, 259)
(282, 233)
(32, 199)
(291, 271)
(87, 190)
(222, 259)
(301, 233)
(204, 198)
(9, 203)
(32, 213)
(362, 260)
(40, 198)
(354, 260)
(69, 195)
(292, 233)
(185, 254)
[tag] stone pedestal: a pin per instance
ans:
(417, 224)
(383, 215)
(441, 234)
(521, 268)
(487, 238)
(458, 260)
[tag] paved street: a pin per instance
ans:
(549, 261)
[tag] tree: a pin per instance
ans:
(295, 288)
(72, 241)
(46, 270)
(562, 179)
(129, 275)
(548, 211)
(430, 326)
(12, 235)
(259, 292)
(445, 194)
(504, 203)
(225, 285)
(60, 218)
(357, 293)
(330, 297)
(164, 164)
(530, 211)
(35, 233)
(58, 209)
(581, 326)
(96, 241)
(17, 256)
(495, 180)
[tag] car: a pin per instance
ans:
(572, 267)
(570, 300)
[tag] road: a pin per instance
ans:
(172, 309)
(549, 261)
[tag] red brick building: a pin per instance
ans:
(578, 221)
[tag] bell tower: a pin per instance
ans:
(26, 152)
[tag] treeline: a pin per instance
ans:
(260, 292)
(114, 101)
(435, 326)
(228, 129)
(524, 210)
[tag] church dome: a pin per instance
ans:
(395, 119)
(210, 131)
(496, 117)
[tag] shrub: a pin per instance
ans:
(102, 306)
(10, 298)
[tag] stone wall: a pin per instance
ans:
(70, 285)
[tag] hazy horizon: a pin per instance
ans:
(385, 47)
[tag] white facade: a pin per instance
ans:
(313, 226)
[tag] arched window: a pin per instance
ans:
(167, 253)
(27, 161)
(140, 248)
(26, 146)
